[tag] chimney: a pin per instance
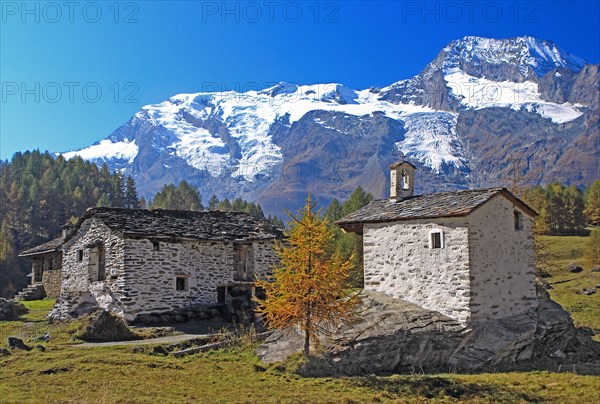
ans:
(402, 180)
(66, 229)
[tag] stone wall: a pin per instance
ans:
(81, 277)
(399, 262)
(502, 261)
(150, 275)
(51, 276)
(265, 258)
(51, 281)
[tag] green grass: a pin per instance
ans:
(34, 324)
(117, 374)
(67, 373)
(585, 310)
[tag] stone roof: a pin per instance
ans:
(50, 246)
(446, 204)
(398, 164)
(224, 226)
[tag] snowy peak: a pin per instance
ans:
(262, 142)
(516, 58)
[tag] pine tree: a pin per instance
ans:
(275, 221)
(238, 205)
(308, 287)
(131, 198)
(213, 202)
(188, 197)
(103, 202)
(224, 205)
(592, 248)
(357, 200)
(181, 197)
(574, 207)
(11, 276)
(349, 245)
(334, 210)
(592, 203)
(116, 193)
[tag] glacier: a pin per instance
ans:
(233, 134)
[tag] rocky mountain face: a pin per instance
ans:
(481, 108)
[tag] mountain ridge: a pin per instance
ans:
(275, 144)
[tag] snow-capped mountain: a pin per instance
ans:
(276, 144)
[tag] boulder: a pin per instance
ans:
(396, 336)
(44, 338)
(103, 326)
(586, 292)
(573, 268)
(17, 343)
(11, 310)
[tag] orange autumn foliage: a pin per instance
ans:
(308, 287)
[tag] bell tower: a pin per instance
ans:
(402, 180)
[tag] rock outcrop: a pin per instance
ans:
(397, 336)
(11, 310)
(17, 343)
(102, 326)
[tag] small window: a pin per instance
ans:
(79, 255)
(182, 283)
(155, 245)
(436, 239)
(518, 220)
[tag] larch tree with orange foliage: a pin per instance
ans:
(308, 289)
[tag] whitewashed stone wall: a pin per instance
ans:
(399, 262)
(150, 276)
(502, 261)
(80, 278)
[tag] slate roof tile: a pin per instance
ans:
(446, 204)
(185, 224)
(50, 246)
(217, 226)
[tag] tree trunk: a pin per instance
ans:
(306, 343)
(307, 333)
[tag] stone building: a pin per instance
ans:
(468, 254)
(137, 262)
(46, 264)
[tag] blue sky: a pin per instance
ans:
(72, 72)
